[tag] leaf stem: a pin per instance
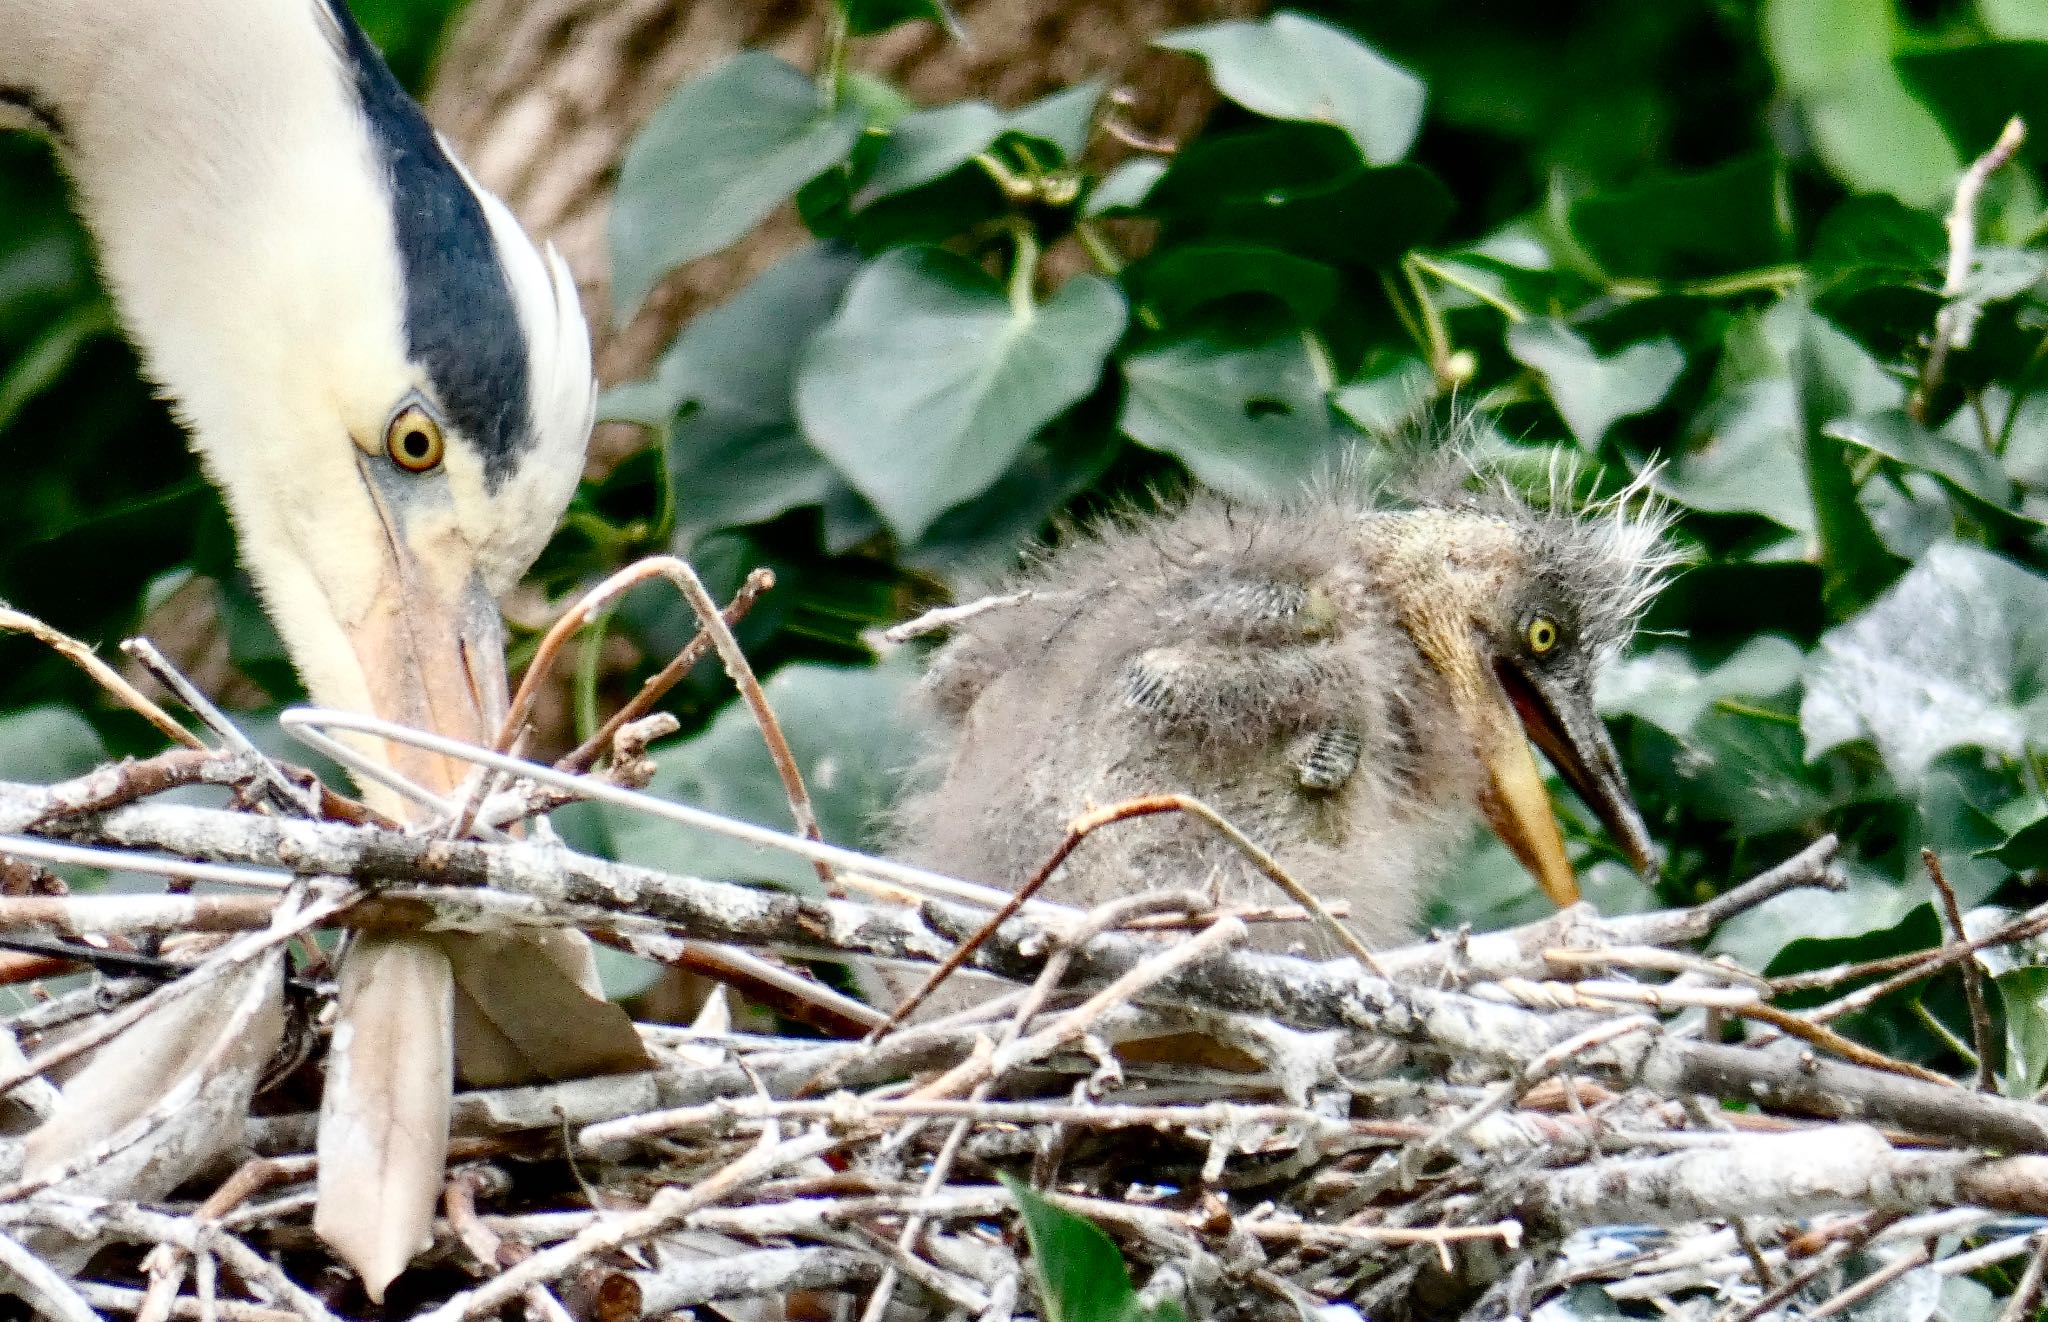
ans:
(587, 662)
(1400, 306)
(1768, 278)
(1445, 275)
(832, 70)
(1024, 272)
(1016, 187)
(1098, 247)
(1735, 707)
(1438, 341)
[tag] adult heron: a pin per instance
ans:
(391, 385)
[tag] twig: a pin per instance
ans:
(2027, 1294)
(941, 618)
(1973, 976)
(308, 723)
(712, 621)
(78, 654)
(1869, 1285)
(658, 684)
(1827, 1039)
(231, 956)
(960, 954)
(120, 1299)
(1954, 322)
(53, 1292)
(281, 790)
(1519, 951)
(666, 1207)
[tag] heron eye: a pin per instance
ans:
(1542, 634)
(413, 440)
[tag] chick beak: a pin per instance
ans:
(1514, 800)
(1557, 712)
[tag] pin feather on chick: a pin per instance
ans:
(1350, 677)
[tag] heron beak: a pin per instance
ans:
(1558, 715)
(435, 663)
(432, 652)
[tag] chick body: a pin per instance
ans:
(1309, 670)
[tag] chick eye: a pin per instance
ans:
(413, 440)
(1542, 634)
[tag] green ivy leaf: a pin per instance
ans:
(1179, 281)
(929, 382)
(1835, 379)
(721, 395)
(1124, 188)
(1592, 392)
(1300, 188)
(1291, 66)
(51, 354)
(720, 154)
(2025, 850)
(43, 745)
(867, 17)
(2023, 993)
(1670, 689)
(1835, 56)
(1726, 219)
(1390, 392)
(1949, 657)
(850, 741)
(1249, 420)
(1974, 90)
(928, 144)
(1063, 119)
(1893, 434)
(1081, 1276)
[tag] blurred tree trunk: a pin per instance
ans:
(541, 97)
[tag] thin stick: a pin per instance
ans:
(235, 953)
(1973, 976)
(1827, 1039)
(1079, 830)
(2027, 1293)
(55, 1293)
(1953, 324)
(742, 672)
(657, 685)
(307, 723)
(78, 654)
(942, 618)
(287, 795)
(666, 1207)
(1869, 1285)
(711, 620)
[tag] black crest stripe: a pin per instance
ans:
(461, 323)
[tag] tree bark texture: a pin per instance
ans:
(542, 96)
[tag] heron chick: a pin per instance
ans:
(1347, 678)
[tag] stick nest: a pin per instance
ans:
(1579, 1117)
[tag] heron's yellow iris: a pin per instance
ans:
(413, 440)
(1542, 634)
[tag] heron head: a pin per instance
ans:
(1516, 608)
(390, 382)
